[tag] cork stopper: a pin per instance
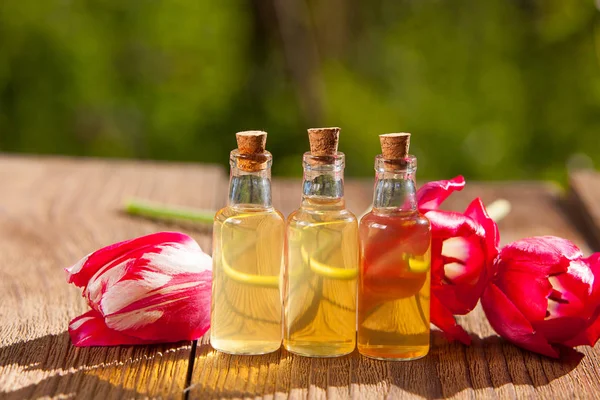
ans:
(394, 146)
(251, 146)
(323, 143)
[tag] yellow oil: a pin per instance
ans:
(320, 281)
(394, 288)
(246, 307)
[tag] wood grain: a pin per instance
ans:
(489, 369)
(585, 200)
(53, 212)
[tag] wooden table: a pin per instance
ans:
(55, 210)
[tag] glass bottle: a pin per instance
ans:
(394, 282)
(248, 240)
(319, 288)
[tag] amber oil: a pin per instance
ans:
(394, 282)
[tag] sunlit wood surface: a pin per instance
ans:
(53, 211)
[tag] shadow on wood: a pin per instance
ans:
(450, 368)
(50, 366)
(53, 387)
(492, 363)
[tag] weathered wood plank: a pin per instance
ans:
(52, 212)
(490, 368)
(585, 197)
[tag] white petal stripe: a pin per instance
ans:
(77, 324)
(456, 247)
(175, 258)
(75, 268)
(105, 278)
(132, 320)
(124, 293)
(137, 318)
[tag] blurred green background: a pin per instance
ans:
(494, 89)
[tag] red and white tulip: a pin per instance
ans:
(153, 289)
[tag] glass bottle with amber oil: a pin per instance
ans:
(394, 281)
(248, 240)
(319, 286)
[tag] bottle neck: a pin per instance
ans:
(395, 188)
(250, 188)
(323, 184)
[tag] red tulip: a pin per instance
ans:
(544, 294)
(463, 249)
(152, 289)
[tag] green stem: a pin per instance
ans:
(159, 212)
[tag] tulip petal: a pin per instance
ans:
(476, 210)
(527, 291)
(571, 294)
(511, 324)
(178, 311)
(465, 258)
(458, 299)
(552, 254)
(152, 289)
(432, 194)
(89, 329)
(589, 336)
(552, 287)
(594, 262)
(464, 248)
(559, 330)
(443, 319)
(81, 272)
(446, 224)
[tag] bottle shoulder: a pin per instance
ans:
(373, 219)
(303, 214)
(230, 214)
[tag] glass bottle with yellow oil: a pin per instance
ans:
(319, 285)
(394, 281)
(248, 241)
